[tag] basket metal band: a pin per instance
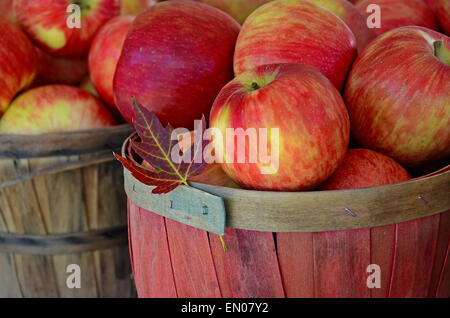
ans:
(66, 243)
(295, 211)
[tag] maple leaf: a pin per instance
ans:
(155, 147)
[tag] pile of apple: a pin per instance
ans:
(46, 66)
(311, 68)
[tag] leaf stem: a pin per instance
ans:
(224, 246)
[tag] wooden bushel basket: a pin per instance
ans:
(62, 203)
(387, 241)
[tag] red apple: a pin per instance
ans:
(397, 95)
(443, 14)
(364, 168)
(135, 6)
(104, 55)
(398, 13)
(431, 4)
(238, 9)
(7, 11)
(45, 21)
(175, 59)
(307, 110)
(17, 62)
(352, 17)
(60, 70)
(296, 32)
(54, 108)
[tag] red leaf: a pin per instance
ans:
(148, 177)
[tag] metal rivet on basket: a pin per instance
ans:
(351, 212)
(134, 187)
(205, 209)
(422, 199)
(171, 204)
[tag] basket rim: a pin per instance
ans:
(17, 146)
(307, 211)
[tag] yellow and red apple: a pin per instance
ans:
(54, 108)
(135, 7)
(303, 106)
(238, 9)
(18, 62)
(45, 21)
(104, 55)
(294, 31)
(352, 17)
(397, 95)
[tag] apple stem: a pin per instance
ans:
(440, 52)
(255, 86)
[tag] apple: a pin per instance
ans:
(7, 11)
(364, 168)
(135, 7)
(104, 55)
(443, 14)
(86, 84)
(398, 13)
(46, 22)
(18, 62)
(60, 70)
(397, 95)
(238, 9)
(293, 31)
(54, 108)
(175, 59)
(352, 17)
(431, 4)
(311, 118)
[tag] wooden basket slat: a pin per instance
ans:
(250, 266)
(193, 267)
(149, 252)
(442, 248)
(296, 259)
(414, 255)
(382, 242)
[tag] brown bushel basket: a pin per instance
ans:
(62, 217)
(387, 241)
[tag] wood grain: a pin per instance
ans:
(414, 255)
(250, 265)
(192, 263)
(152, 266)
(74, 201)
(295, 255)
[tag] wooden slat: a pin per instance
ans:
(382, 249)
(250, 265)
(192, 263)
(151, 260)
(414, 255)
(442, 244)
(340, 262)
(295, 255)
(443, 288)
